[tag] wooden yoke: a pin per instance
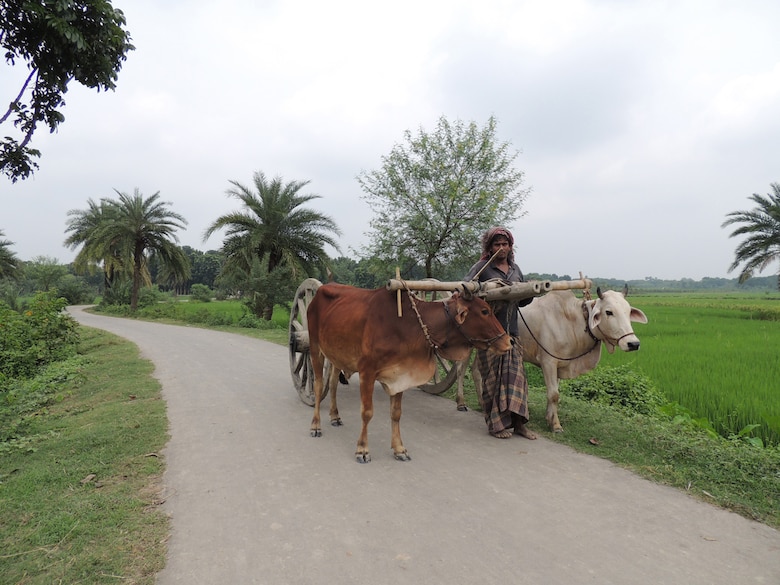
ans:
(491, 290)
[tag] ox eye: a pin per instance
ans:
(610, 313)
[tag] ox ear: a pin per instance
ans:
(595, 316)
(637, 316)
(461, 310)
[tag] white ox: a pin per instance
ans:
(563, 335)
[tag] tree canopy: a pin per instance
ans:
(435, 194)
(274, 239)
(58, 41)
(761, 225)
(125, 234)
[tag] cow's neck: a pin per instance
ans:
(440, 332)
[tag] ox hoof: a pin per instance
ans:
(404, 456)
(336, 422)
(463, 408)
(558, 430)
(363, 457)
(316, 433)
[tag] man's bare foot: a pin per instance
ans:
(523, 431)
(505, 434)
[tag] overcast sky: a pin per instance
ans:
(640, 124)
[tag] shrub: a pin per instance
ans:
(250, 321)
(117, 294)
(201, 292)
(40, 335)
(618, 387)
(75, 290)
(149, 296)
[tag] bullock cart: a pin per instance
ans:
(493, 290)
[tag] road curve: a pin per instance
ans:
(255, 499)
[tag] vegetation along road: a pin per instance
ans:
(255, 499)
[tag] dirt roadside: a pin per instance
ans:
(255, 499)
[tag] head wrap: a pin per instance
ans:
(487, 241)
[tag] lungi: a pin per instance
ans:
(504, 395)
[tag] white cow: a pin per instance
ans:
(563, 335)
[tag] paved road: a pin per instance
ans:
(255, 499)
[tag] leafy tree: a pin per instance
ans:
(762, 226)
(75, 289)
(132, 230)
(205, 266)
(45, 273)
(9, 263)
(62, 41)
(275, 230)
(436, 194)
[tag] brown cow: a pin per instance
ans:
(359, 330)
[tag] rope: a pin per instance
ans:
(419, 317)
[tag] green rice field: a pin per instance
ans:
(718, 356)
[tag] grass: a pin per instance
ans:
(79, 497)
(715, 356)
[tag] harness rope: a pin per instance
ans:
(596, 341)
(424, 327)
(586, 314)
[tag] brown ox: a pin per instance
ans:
(359, 330)
(563, 335)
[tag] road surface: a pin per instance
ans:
(255, 499)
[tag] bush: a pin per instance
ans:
(201, 292)
(250, 321)
(117, 294)
(40, 335)
(618, 387)
(75, 290)
(149, 296)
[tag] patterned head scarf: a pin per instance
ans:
(487, 241)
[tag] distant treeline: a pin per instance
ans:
(649, 284)
(368, 273)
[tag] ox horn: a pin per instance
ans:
(466, 293)
(625, 290)
(599, 293)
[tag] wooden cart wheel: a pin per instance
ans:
(300, 356)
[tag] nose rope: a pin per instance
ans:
(616, 341)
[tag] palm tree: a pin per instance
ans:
(147, 228)
(85, 226)
(129, 232)
(274, 230)
(9, 263)
(762, 226)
